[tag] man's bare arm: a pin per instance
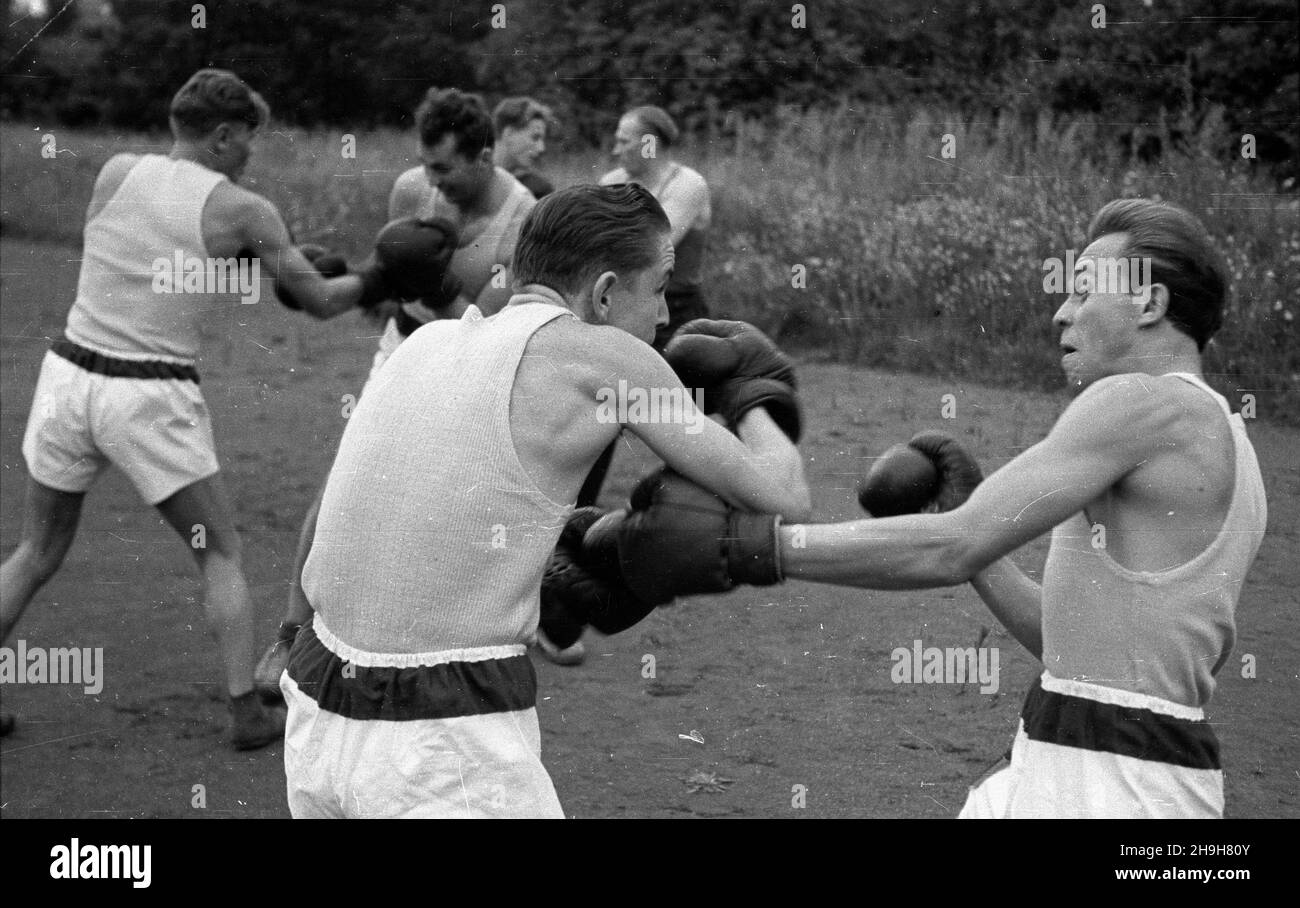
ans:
(761, 470)
(1103, 435)
(267, 238)
(1015, 600)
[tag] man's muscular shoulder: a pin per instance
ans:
(1133, 403)
(1165, 425)
(411, 195)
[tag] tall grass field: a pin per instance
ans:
(908, 241)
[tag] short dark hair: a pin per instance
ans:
(656, 120)
(214, 96)
(516, 113)
(1183, 258)
(447, 111)
(576, 233)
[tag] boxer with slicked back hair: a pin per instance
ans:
(410, 692)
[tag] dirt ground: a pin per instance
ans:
(754, 693)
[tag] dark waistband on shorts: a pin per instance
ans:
(402, 694)
(1128, 731)
(99, 363)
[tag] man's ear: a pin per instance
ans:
(600, 297)
(1156, 306)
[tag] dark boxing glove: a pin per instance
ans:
(580, 589)
(959, 473)
(932, 472)
(738, 368)
(412, 260)
(679, 539)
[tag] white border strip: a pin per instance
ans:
(1117, 697)
(411, 660)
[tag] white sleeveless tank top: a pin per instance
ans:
(432, 535)
(1164, 633)
(155, 216)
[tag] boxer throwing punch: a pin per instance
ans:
(120, 387)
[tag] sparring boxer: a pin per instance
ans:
(410, 692)
(120, 386)
(457, 183)
(1153, 494)
(521, 125)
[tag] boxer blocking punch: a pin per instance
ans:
(411, 693)
(737, 369)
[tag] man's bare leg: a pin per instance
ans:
(202, 515)
(50, 519)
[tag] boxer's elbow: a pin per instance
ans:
(955, 555)
(965, 557)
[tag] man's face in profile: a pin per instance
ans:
(637, 303)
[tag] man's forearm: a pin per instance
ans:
(916, 551)
(338, 295)
(1015, 600)
(778, 455)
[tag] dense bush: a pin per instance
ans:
(1156, 69)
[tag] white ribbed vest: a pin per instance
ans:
(432, 535)
(156, 213)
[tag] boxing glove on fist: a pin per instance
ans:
(580, 588)
(932, 471)
(412, 260)
(679, 539)
(738, 368)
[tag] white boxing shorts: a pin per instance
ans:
(144, 416)
(415, 735)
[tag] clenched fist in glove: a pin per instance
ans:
(412, 260)
(738, 368)
(932, 472)
(583, 588)
(679, 539)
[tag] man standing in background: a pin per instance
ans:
(521, 125)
